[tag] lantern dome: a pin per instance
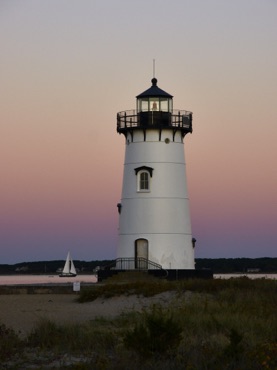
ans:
(154, 90)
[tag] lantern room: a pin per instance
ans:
(154, 106)
(154, 100)
(154, 110)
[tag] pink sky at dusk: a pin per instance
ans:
(68, 67)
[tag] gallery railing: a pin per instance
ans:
(131, 119)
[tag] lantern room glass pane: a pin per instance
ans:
(170, 105)
(143, 106)
(154, 104)
(164, 105)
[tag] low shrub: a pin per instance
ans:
(10, 343)
(212, 325)
(138, 288)
(155, 332)
(73, 338)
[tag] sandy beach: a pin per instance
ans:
(21, 312)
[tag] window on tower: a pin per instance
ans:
(144, 175)
(144, 181)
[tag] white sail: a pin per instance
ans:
(66, 269)
(72, 267)
(69, 268)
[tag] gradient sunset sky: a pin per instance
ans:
(68, 67)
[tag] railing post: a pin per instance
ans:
(118, 120)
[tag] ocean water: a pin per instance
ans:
(48, 279)
(250, 276)
(44, 279)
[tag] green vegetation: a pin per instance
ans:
(146, 289)
(209, 324)
(158, 331)
(10, 343)
(151, 288)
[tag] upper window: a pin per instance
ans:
(144, 174)
(143, 181)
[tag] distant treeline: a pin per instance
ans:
(242, 265)
(217, 265)
(50, 267)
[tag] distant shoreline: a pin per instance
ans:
(41, 284)
(45, 280)
(262, 265)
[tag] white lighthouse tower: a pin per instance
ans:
(154, 217)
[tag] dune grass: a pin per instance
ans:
(211, 324)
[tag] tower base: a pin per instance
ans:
(171, 274)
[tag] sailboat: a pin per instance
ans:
(69, 268)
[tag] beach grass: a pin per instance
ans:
(211, 324)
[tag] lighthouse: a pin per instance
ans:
(154, 216)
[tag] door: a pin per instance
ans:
(141, 254)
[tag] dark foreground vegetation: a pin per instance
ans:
(217, 265)
(210, 324)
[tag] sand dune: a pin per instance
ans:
(22, 311)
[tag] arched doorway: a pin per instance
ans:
(141, 254)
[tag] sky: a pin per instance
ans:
(68, 67)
